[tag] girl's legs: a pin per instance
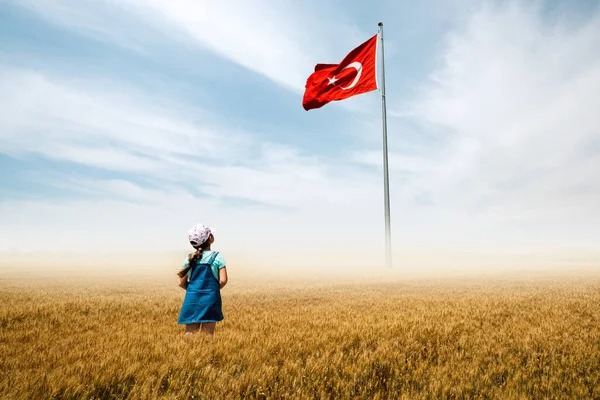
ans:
(209, 329)
(191, 328)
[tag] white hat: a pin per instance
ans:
(199, 234)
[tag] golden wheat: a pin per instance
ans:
(513, 340)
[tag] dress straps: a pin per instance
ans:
(212, 258)
(209, 262)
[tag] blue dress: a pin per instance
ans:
(202, 302)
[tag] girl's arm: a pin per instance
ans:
(183, 281)
(222, 277)
(183, 273)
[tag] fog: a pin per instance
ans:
(160, 268)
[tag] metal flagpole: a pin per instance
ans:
(386, 180)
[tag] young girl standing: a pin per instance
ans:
(202, 275)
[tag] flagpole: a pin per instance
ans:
(386, 180)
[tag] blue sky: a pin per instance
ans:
(123, 123)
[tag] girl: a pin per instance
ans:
(202, 275)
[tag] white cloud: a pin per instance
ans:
(97, 127)
(279, 40)
(119, 130)
(515, 105)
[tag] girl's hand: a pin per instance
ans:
(183, 282)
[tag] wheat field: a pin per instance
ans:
(119, 340)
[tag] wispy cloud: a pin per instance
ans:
(93, 126)
(281, 41)
(514, 102)
(121, 131)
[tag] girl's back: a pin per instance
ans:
(203, 275)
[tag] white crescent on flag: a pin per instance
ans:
(358, 67)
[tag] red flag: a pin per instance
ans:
(356, 74)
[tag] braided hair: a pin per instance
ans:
(197, 255)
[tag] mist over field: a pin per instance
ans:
(310, 266)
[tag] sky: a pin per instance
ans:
(123, 123)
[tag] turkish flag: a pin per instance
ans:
(356, 74)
